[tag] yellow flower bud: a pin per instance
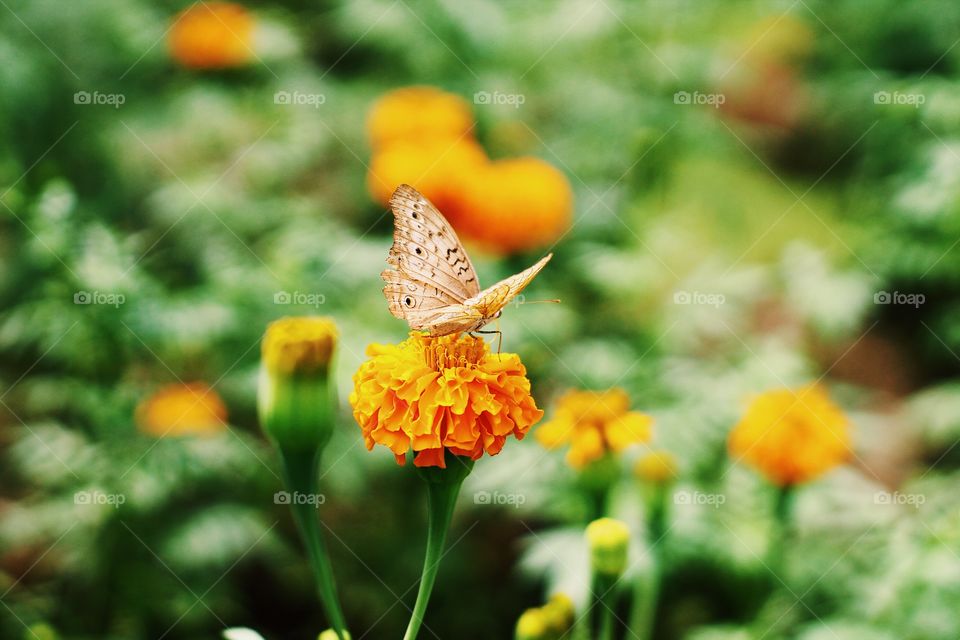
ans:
(656, 467)
(299, 345)
(609, 540)
(532, 625)
(330, 634)
(296, 399)
(559, 613)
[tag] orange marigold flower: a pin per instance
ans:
(212, 35)
(514, 205)
(432, 394)
(182, 409)
(594, 423)
(439, 169)
(792, 435)
(418, 114)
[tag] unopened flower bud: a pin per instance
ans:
(609, 540)
(532, 625)
(296, 397)
(559, 613)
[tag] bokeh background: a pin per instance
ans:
(764, 194)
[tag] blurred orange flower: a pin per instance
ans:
(514, 205)
(182, 409)
(792, 435)
(212, 35)
(437, 168)
(432, 394)
(594, 423)
(423, 137)
(418, 114)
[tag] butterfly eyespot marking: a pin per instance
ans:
(432, 284)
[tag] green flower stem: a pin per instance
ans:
(780, 531)
(300, 473)
(443, 487)
(607, 601)
(596, 481)
(646, 590)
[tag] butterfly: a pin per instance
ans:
(432, 284)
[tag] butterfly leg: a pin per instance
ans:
(499, 335)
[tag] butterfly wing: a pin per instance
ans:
(424, 307)
(431, 273)
(494, 298)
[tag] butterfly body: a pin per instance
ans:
(431, 282)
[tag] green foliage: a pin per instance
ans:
(188, 209)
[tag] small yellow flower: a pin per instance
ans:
(299, 345)
(609, 540)
(594, 423)
(182, 409)
(212, 35)
(330, 634)
(432, 394)
(657, 467)
(418, 114)
(792, 435)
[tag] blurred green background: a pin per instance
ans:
(767, 193)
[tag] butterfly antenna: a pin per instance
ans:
(553, 301)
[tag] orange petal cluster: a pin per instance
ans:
(594, 423)
(212, 35)
(424, 137)
(792, 435)
(513, 205)
(432, 394)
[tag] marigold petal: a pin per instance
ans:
(630, 428)
(432, 394)
(554, 433)
(430, 458)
